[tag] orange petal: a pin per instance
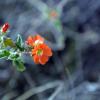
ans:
(34, 51)
(36, 59)
(38, 37)
(43, 59)
(47, 51)
(29, 40)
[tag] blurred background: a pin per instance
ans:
(72, 29)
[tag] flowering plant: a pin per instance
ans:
(13, 50)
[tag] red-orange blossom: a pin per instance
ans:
(40, 52)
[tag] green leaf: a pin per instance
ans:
(58, 25)
(13, 56)
(19, 40)
(0, 39)
(9, 42)
(19, 43)
(19, 65)
(4, 53)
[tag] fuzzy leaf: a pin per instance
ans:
(19, 43)
(58, 25)
(19, 65)
(4, 53)
(9, 42)
(13, 56)
(19, 40)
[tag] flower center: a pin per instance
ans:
(39, 52)
(37, 42)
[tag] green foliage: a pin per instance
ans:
(19, 40)
(58, 25)
(19, 65)
(9, 42)
(11, 50)
(4, 53)
(13, 56)
(16, 59)
(12, 53)
(56, 20)
(19, 43)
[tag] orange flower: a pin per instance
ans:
(34, 40)
(53, 14)
(41, 54)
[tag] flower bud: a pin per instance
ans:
(4, 28)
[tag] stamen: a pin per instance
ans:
(39, 52)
